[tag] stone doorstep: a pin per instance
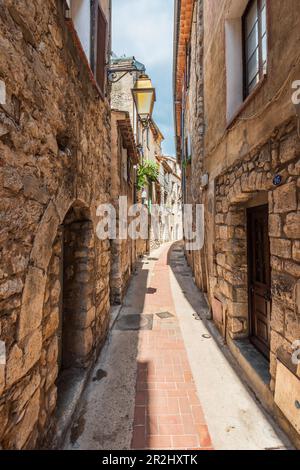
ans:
(253, 371)
(255, 366)
(256, 375)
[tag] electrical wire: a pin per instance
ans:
(275, 98)
(261, 111)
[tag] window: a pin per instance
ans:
(124, 163)
(254, 44)
(100, 49)
(91, 27)
(188, 149)
(188, 60)
(80, 13)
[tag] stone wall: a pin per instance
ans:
(250, 181)
(194, 133)
(121, 96)
(123, 252)
(241, 158)
(239, 185)
(54, 145)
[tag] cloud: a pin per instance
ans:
(144, 29)
(146, 26)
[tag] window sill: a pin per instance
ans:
(246, 102)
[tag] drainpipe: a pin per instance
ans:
(177, 9)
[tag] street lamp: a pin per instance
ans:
(144, 98)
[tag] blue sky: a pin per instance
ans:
(144, 29)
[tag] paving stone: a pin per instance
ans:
(168, 413)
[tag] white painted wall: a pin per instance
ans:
(234, 66)
(234, 56)
(81, 16)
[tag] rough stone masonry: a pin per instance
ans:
(54, 144)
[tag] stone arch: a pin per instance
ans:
(68, 318)
(35, 282)
(39, 316)
(241, 186)
(77, 300)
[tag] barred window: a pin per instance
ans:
(254, 44)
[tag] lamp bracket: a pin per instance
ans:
(145, 123)
(114, 71)
(113, 75)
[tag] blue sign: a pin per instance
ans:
(277, 180)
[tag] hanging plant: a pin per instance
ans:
(186, 162)
(147, 172)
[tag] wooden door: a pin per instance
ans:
(259, 278)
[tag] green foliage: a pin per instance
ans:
(146, 173)
(186, 162)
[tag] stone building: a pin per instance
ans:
(54, 172)
(125, 157)
(237, 137)
(148, 139)
(170, 199)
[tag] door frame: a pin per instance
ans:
(259, 345)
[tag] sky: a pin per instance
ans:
(144, 29)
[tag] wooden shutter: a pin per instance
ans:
(101, 47)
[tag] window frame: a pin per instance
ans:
(261, 64)
(188, 64)
(97, 10)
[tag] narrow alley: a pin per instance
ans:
(149, 229)
(162, 380)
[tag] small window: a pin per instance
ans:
(188, 60)
(254, 44)
(101, 49)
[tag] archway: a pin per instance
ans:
(77, 310)
(76, 334)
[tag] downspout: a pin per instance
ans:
(177, 8)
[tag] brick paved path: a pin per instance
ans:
(141, 393)
(168, 414)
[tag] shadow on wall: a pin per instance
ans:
(183, 275)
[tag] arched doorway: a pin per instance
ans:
(76, 333)
(77, 303)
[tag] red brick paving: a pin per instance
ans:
(168, 414)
